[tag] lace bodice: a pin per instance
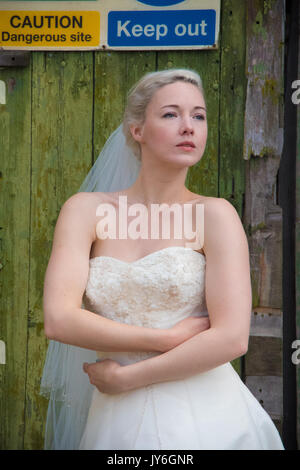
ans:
(155, 291)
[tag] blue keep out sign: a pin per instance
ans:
(161, 28)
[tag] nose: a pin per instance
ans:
(186, 126)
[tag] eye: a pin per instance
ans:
(200, 117)
(167, 115)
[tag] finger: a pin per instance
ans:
(85, 367)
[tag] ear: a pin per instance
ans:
(137, 132)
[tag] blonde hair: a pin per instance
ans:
(141, 93)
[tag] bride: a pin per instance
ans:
(143, 328)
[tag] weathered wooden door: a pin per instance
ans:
(54, 119)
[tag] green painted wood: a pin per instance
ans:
(15, 150)
(232, 103)
(115, 73)
(62, 133)
(232, 88)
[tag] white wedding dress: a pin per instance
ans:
(210, 410)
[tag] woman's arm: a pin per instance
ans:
(65, 281)
(229, 302)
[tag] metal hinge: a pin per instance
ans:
(14, 58)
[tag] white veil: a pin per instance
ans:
(63, 381)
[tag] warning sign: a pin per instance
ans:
(109, 24)
(44, 28)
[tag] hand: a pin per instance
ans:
(105, 375)
(187, 328)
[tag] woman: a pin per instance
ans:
(172, 314)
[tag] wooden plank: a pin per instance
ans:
(263, 141)
(62, 133)
(266, 322)
(15, 156)
(115, 73)
(263, 222)
(264, 356)
(267, 390)
(263, 146)
(264, 106)
(231, 184)
(232, 103)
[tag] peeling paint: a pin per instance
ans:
(257, 227)
(76, 88)
(11, 84)
(259, 69)
(268, 5)
(264, 153)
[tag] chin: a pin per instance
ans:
(184, 160)
(177, 160)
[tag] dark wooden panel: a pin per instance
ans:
(263, 140)
(268, 391)
(264, 356)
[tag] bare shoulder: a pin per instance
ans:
(79, 211)
(216, 207)
(82, 207)
(206, 200)
(98, 197)
(84, 199)
(223, 227)
(219, 207)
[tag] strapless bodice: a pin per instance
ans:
(155, 291)
(210, 410)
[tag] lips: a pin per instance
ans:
(186, 144)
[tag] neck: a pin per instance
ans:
(157, 187)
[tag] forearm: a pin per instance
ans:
(204, 351)
(86, 329)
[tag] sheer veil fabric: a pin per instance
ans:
(63, 381)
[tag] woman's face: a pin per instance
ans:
(175, 126)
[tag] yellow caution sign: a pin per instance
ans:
(49, 28)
